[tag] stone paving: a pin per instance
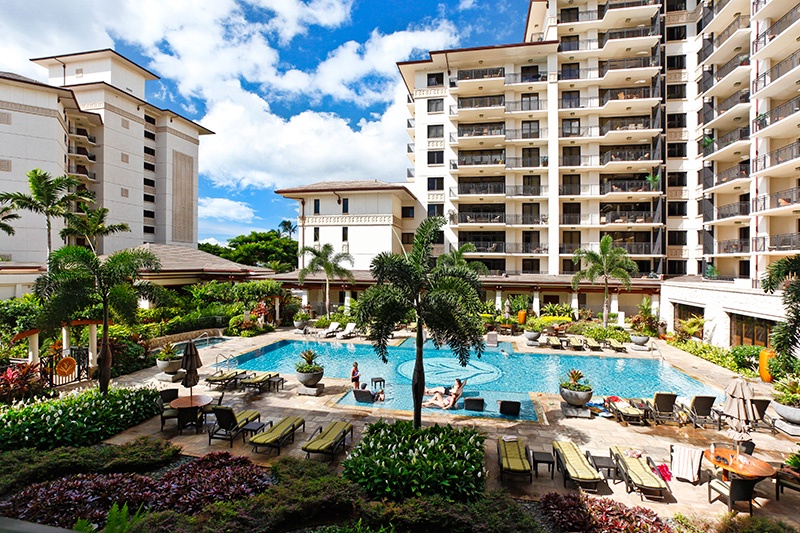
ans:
(595, 434)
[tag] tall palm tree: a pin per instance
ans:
(7, 214)
(786, 335)
(608, 262)
(76, 278)
(455, 257)
(49, 196)
(325, 260)
(90, 225)
(287, 227)
(446, 300)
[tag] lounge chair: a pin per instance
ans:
(700, 411)
(329, 440)
(617, 346)
(230, 424)
(763, 420)
(167, 413)
(575, 343)
(627, 411)
(515, 458)
(593, 345)
(786, 478)
(638, 473)
(332, 330)
(575, 465)
(277, 434)
(491, 339)
(553, 342)
(663, 409)
(364, 395)
(348, 332)
(223, 378)
(257, 381)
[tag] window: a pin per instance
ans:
(676, 33)
(345, 205)
(570, 99)
(677, 268)
(676, 62)
(436, 105)
(570, 127)
(435, 131)
(435, 184)
(407, 211)
(529, 102)
(436, 157)
(530, 73)
(150, 166)
(435, 210)
(436, 79)
(147, 213)
(676, 238)
(149, 119)
(569, 43)
(149, 183)
(685, 312)
(530, 129)
(676, 209)
(407, 238)
(676, 150)
(676, 120)
(149, 151)
(149, 198)
(149, 229)
(316, 206)
(345, 233)
(149, 135)
(570, 71)
(316, 234)
(676, 5)
(750, 331)
(676, 92)
(676, 179)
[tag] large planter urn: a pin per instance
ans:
(763, 364)
(788, 413)
(300, 324)
(533, 335)
(574, 397)
(641, 340)
(522, 316)
(169, 367)
(309, 379)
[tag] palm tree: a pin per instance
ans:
(786, 335)
(608, 262)
(325, 260)
(287, 227)
(7, 214)
(446, 300)
(49, 196)
(455, 257)
(91, 225)
(77, 278)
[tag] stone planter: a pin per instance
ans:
(576, 398)
(309, 379)
(533, 335)
(790, 414)
(169, 367)
(641, 340)
(300, 324)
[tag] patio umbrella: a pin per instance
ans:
(507, 308)
(739, 410)
(190, 363)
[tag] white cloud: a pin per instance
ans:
(225, 209)
(466, 4)
(212, 240)
(293, 17)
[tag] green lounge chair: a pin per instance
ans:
(514, 457)
(257, 381)
(627, 411)
(593, 344)
(329, 440)
(225, 378)
(638, 473)
(553, 342)
(575, 465)
(616, 345)
(277, 434)
(230, 424)
(575, 343)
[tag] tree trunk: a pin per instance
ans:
(418, 379)
(49, 238)
(327, 296)
(105, 355)
(605, 304)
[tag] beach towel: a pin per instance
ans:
(686, 463)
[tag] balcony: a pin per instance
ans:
(518, 77)
(788, 198)
(577, 103)
(578, 189)
(411, 124)
(742, 60)
(410, 173)
(578, 219)
(579, 161)
(81, 153)
(527, 220)
(580, 16)
(527, 162)
(626, 186)
(478, 102)
(776, 29)
(481, 218)
(479, 188)
(580, 45)
(526, 248)
(81, 172)
(741, 97)
(586, 131)
(526, 105)
(625, 124)
(625, 64)
(736, 209)
(410, 148)
(626, 34)
(628, 217)
(635, 248)
(784, 242)
(777, 114)
(82, 133)
(777, 157)
(569, 248)
(742, 134)
(480, 130)
(777, 72)
(738, 23)
(486, 247)
(612, 156)
(481, 73)
(515, 135)
(526, 190)
(491, 157)
(740, 171)
(734, 246)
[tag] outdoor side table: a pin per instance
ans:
(375, 381)
(252, 428)
(543, 458)
(277, 381)
(603, 462)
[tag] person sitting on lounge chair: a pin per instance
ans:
(443, 402)
(445, 391)
(377, 396)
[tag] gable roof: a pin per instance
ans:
(176, 257)
(352, 186)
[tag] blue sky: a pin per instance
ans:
(297, 91)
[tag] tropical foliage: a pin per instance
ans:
(715, 354)
(329, 262)
(259, 248)
(90, 224)
(7, 214)
(785, 273)
(455, 257)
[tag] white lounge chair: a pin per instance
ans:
(332, 330)
(349, 331)
(491, 339)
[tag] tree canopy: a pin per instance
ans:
(330, 263)
(257, 249)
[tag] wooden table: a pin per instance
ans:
(742, 464)
(196, 400)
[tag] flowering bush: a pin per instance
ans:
(77, 418)
(19, 382)
(396, 461)
(578, 512)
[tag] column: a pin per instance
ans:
(348, 295)
(613, 306)
(535, 305)
(278, 310)
(304, 298)
(33, 348)
(498, 298)
(65, 339)
(92, 345)
(574, 302)
(655, 300)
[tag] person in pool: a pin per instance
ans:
(355, 375)
(442, 401)
(445, 391)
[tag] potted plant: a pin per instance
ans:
(309, 373)
(301, 319)
(787, 398)
(573, 391)
(168, 359)
(533, 328)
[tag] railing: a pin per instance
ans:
(480, 130)
(742, 170)
(410, 172)
(481, 73)
(625, 34)
(228, 361)
(527, 105)
(536, 36)
(736, 209)
(76, 169)
(482, 247)
(576, 103)
(625, 94)
(541, 133)
(481, 159)
(720, 6)
(481, 188)
(526, 162)
(625, 155)
(476, 102)
(739, 22)
(519, 77)
(777, 199)
(778, 243)
(83, 133)
(75, 150)
(741, 60)
(623, 64)
(570, 248)
(410, 148)
(733, 246)
(776, 157)
(585, 131)
(636, 248)
(49, 363)
(742, 134)
(526, 190)
(580, 44)
(628, 186)
(579, 74)
(777, 28)
(576, 218)
(526, 248)
(481, 218)
(742, 97)
(578, 160)
(630, 3)
(758, 4)
(411, 123)
(581, 16)
(627, 217)
(777, 71)
(781, 112)
(578, 189)
(625, 124)
(528, 220)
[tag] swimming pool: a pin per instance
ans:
(493, 376)
(201, 343)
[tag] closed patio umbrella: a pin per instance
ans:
(739, 410)
(190, 363)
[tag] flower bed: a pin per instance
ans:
(719, 356)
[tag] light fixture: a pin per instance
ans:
(628, 78)
(627, 20)
(572, 57)
(480, 87)
(737, 49)
(737, 119)
(737, 188)
(572, 29)
(628, 138)
(480, 61)
(627, 49)
(737, 84)
(627, 109)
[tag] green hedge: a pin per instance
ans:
(599, 333)
(719, 356)
(78, 418)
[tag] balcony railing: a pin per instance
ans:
(628, 186)
(541, 133)
(719, 6)
(482, 247)
(738, 23)
(481, 188)
(410, 148)
(478, 102)
(579, 74)
(576, 103)
(578, 160)
(736, 209)
(570, 248)
(576, 218)
(480, 130)
(580, 16)
(526, 105)
(526, 190)
(481, 218)
(526, 162)
(411, 123)
(83, 133)
(625, 34)
(625, 155)
(410, 172)
(526, 248)
(578, 189)
(80, 170)
(742, 170)
(625, 124)
(781, 112)
(733, 246)
(777, 28)
(77, 150)
(778, 243)
(741, 97)
(481, 73)
(585, 131)
(580, 44)
(528, 220)
(742, 134)
(630, 3)
(777, 71)
(627, 217)
(636, 248)
(777, 199)
(624, 64)
(625, 94)
(519, 77)
(776, 157)
(741, 60)
(480, 159)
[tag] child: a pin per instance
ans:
(355, 375)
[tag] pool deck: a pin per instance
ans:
(595, 434)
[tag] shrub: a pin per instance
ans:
(322, 322)
(78, 418)
(599, 333)
(709, 352)
(548, 320)
(612, 317)
(578, 328)
(557, 310)
(733, 523)
(20, 382)
(578, 512)
(396, 461)
(129, 357)
(746, 356)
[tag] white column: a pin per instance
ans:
(33, 348)
(655, 300)
(535, 305)
(574, 303)
(613, 306)
(278, 310)
(65, 339)
(304, 298)
(348, 295)
(498, 298)
(92, 345)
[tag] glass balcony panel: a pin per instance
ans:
(736, 209)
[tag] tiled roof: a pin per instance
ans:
(175, 257)
(353, 185)
(17, 77)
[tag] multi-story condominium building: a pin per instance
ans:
(92, 122)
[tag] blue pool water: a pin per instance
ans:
(492, 377)
(202, 343)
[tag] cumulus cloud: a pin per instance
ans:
(212, 240)
(466, 4)
(293, 17)
(225, 209)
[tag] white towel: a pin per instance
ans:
(686, 463)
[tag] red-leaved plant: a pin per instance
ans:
(20, 381)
